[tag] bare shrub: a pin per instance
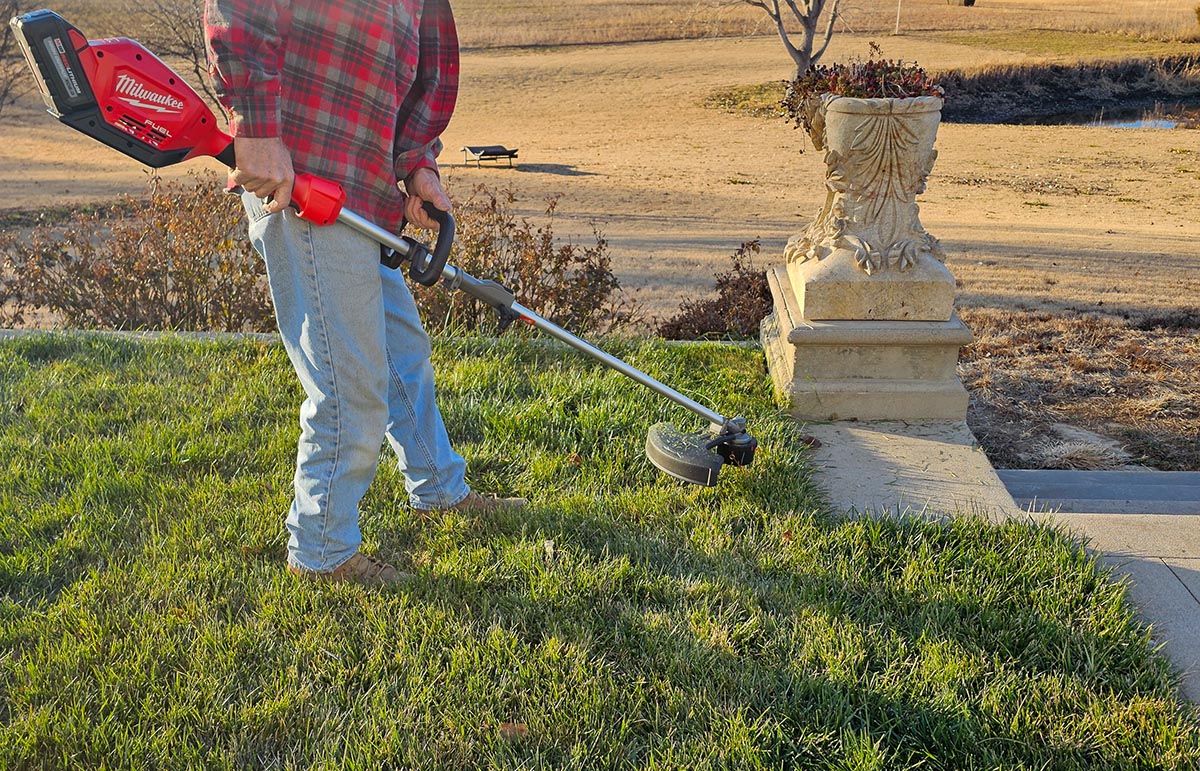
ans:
(180, 259)
(571, 285)
(177, 259)
(10, 292)
(1133, 382)
(743, 300)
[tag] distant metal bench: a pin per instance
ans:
(483, 153)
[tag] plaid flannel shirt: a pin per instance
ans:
(359, 90)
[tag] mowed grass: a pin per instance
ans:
(623, 621)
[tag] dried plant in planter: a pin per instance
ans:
(874, 78)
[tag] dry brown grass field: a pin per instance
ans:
(1077, 249)
(493, 23)
(516, 23)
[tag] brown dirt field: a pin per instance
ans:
(1065, 219)
(1044, 217)
(620, 131)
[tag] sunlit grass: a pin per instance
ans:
(623, 621)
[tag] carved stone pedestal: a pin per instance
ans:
(864, 325)
(863, 370)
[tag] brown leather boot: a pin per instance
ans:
(359, 569)
(476, 503)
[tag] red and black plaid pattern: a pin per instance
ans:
(359, 90)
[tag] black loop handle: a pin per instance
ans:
(426, 267)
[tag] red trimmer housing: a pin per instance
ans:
(118, 92)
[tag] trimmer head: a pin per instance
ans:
(697, 457)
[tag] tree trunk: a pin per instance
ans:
(808, 13)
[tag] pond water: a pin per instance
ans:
(1136, 123)
(1160, 116)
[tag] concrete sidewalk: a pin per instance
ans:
(1147, 526)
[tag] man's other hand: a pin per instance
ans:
(424, 185)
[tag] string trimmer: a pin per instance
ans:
(118, 92)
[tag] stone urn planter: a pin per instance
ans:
(863, 326)
(866, 255)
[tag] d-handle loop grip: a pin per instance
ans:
(426, 267)
(320, 201)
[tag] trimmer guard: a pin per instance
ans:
(683, 456)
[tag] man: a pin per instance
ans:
(355, 91)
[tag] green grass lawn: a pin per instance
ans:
(623, 621)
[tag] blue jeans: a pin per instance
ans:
(354, 337)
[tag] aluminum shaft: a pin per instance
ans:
(458, 279)
(552, 329)
(370, 229)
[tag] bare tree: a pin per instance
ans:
(15, 78)
(809, 15)
(174, 30)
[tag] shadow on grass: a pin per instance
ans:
(824, 654)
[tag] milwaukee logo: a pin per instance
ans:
(137, 94)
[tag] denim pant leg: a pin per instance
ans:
(329, 306)
(434, 473)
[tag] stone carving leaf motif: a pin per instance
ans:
(871, 186)
(877, 168)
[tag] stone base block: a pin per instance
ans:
(876, 400)
(863, 370)
(835, 289)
